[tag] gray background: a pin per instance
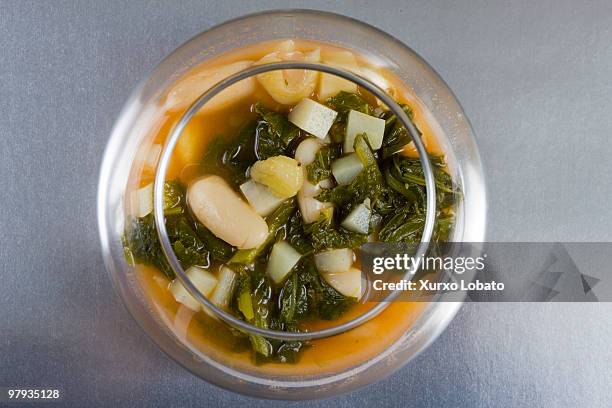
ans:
(535, 78)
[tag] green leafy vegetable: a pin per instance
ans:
(320, 168)
(409, 170)
(293, 300)
(326, 234)
(396, 135)
(296, 235)
(187, 246)
(238, 155)
(343, 102)
(274, 133)
(141, 237)
(219, 249)
(174, 198)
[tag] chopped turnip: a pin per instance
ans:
(282, 260)
(142, 201)
(348, 282)
(202, 279)
(358, 219)
(335, 260)
(260, 197)
(346, 168)
(359, 123)
(224, 289)
(313, 117)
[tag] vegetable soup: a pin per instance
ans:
(272, 188)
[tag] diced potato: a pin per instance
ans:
(222, 294)
(282, 260)
(358, 123)
(346, 168)
(358, 219)
(335, 260)
(187, 90)
(260, 197)
(348, 282)
(281, 174)
(291, 85)
(216, 205)
(330, 85)
(202, 279)
(313, 117)
(142, 201)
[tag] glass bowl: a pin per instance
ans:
(134, 132)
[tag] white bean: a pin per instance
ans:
(306, 151)
(216, 205)
(310, 207)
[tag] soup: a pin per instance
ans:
(272, 188)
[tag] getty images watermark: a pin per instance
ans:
(491, 272)
(458, 265)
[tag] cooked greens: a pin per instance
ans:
(320, 168)
(383, 198)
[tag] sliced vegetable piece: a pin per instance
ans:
(347, 283)
(260, 197)
(222, 294)
(142, 201)
(358, 219)
(282, 260)
(334, 261)
(359, 123)
(216, 205)
(281, 174)
(346, 168)
(313, 117)
(202, 279)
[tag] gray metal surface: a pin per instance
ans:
(534, 78)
